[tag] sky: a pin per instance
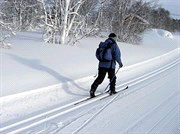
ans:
(173, 6)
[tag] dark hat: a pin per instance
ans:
(112, 35)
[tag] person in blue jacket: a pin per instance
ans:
(108, 67)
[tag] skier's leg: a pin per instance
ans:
(99, 79)
(112, 77)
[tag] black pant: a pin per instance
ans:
(101, 75)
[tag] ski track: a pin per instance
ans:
(148, 116)
(42, 123)
(162, 111)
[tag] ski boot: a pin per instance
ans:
(92, 94)
(112, 92)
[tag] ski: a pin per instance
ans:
(123, 89)
(115, 93)
(86, 99)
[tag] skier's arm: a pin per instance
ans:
(118, 56)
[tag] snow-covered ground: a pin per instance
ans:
(40, 84)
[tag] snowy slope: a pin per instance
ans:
(37, 78)
(31, 64)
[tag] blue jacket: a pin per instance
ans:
(116, 55)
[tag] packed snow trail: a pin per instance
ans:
(54, 115)
(150, 108)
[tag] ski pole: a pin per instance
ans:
(111, 80)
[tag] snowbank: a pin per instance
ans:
(158, 33)
(164, 33)
(159, 38)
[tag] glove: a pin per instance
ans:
(120, 65)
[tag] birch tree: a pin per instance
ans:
(64, 20)
(136, 21)
(6, 29)
(125, 19)
(23, 13)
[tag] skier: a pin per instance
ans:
(108, 67)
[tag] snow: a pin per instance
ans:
(38, 77)
(164, 33)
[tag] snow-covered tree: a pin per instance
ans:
(66, 20)
(127, 18)
(23, 13)
(6, 29)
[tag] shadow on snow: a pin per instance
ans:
(36, 64)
